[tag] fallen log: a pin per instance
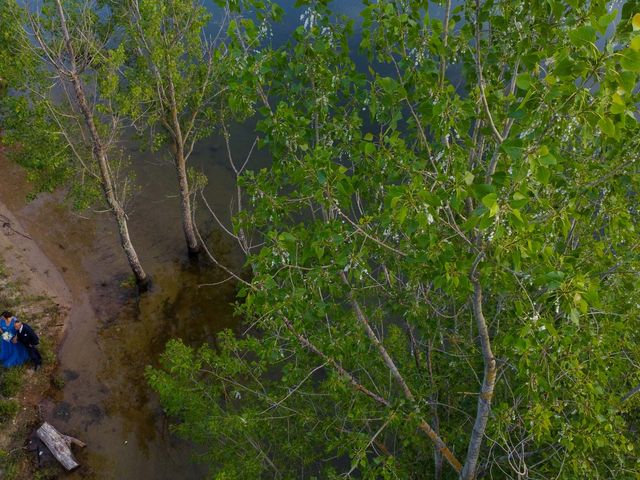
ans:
(59, 445)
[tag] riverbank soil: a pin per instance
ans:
(31, 288)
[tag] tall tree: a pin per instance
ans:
(173, 83)
(71, 39)
(450, 251)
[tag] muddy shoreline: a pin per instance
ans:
(111, 334)
(33, 288)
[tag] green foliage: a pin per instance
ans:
(24, 122)
(45, 135)
(167, 73)
(392, 186)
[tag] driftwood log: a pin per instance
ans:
(59, 445)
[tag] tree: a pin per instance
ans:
(445, 287)
(172, 83)
(24, 127)
(71, 39)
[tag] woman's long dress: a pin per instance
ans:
(11, 354)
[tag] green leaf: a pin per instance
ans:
(287, 237)
(547, 160)
(490, 200)
(605, 20)
(513, 148)
(574, 316)
(468, 178)
(583, 35)
(402, 214)
(607, 126)
(523, 81)
(543, 175)
(519, 200)
(630, 60)
(493, 211)
(369, 148)
(482, 189)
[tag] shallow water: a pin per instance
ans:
(112, 334)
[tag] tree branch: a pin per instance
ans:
(483, 96)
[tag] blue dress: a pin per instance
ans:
(11, 354)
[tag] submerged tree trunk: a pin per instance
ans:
(100, 155)
(142, 280)
(193, 246)
(180, 161)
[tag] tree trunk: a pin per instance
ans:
(488, 384)
(142, 280)
(193, 246)
(100, 155)
(59, 445)
(180, 162)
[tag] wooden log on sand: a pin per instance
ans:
(59, 445)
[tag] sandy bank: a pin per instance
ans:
(33, 288)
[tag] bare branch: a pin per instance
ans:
(483, 96)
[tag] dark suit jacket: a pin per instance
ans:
(27, 336)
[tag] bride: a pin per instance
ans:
(12, 353)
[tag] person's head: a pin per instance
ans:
(7, 314)
(17, 324)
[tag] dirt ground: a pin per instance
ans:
(33, 289)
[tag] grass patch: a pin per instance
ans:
(48, 473)
(8, 409)
(9, 466)
(11, 381)
(58, 381)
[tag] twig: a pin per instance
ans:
(6, 223)
(483, 96)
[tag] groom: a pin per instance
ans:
(26, 336)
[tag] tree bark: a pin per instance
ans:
(100, 155)
(180, 161)
(193, 246)
(59, 445)
(488, 384)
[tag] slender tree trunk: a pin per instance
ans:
(488, 384)
(99, 153)
(142, 280)
(193, 246)
(180, 162)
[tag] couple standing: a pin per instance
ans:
(18, 342)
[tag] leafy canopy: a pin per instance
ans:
(416, 163)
